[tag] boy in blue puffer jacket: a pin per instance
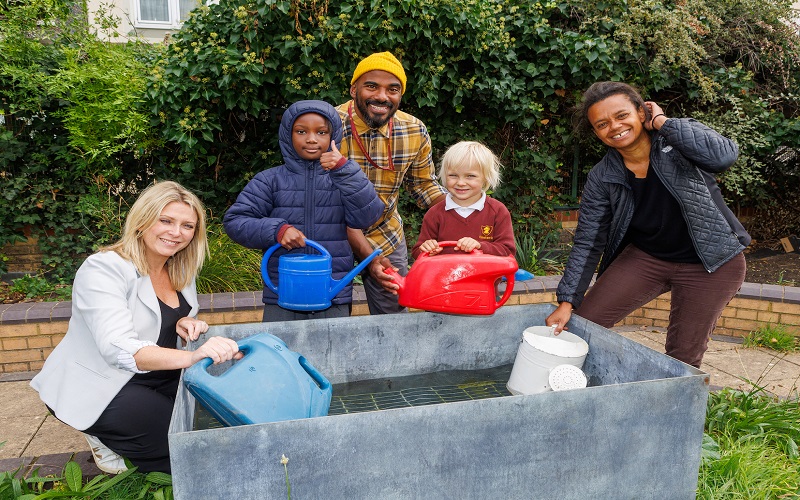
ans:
(316, 194)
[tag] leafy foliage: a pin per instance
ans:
(127, 484)
(87, 123)
(73, 129)
(37, 286)
(539, 258)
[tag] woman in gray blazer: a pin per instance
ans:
(115, 374)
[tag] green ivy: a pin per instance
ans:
(88, 123)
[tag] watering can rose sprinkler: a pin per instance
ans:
(460, 283)
(306, 281)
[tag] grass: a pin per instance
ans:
(750, 449)
(784, 282)
(775, 337)
(129, 484)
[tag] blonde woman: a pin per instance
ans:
(115, 374)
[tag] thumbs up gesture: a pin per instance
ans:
(330, 159)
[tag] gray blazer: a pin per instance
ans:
(113, 307)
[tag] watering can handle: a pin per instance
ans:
(199, 370)
(447, 244)
(321, 381)
(508, 292)
(244, 346)
(265, 261)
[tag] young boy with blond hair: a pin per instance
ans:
(468, 216)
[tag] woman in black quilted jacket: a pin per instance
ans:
(653, 217)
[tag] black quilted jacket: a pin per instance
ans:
(685, 155)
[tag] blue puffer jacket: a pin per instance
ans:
(320, 204)
(686, 155)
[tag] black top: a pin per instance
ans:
(658, 227)
(169, 335)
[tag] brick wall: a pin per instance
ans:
(30, 331)
(23, 256)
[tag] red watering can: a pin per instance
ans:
(461, 283)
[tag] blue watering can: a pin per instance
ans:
(270, 383)
(305, 280)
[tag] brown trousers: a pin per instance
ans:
(698, 297)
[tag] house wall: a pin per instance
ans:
(124, 11)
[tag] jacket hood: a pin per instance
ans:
(290, 156)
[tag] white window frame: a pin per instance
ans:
(174, 16)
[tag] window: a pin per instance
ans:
(165, 14)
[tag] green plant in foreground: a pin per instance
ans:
(750, 446)
(230, 267)
(128, 484)
(13, 487)
(538, 257)
(746, 469)
(285, 461)
(775, 337)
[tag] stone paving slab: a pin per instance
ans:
(18, 399)
(732, 365)
(16, 433)
(55, 436)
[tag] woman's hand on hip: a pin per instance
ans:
(190, 328)
(219, 349)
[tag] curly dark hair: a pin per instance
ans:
(596, 93)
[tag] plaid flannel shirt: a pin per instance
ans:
(413, 168)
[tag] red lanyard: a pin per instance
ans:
(361, 146)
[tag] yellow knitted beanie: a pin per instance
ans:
(383, 61)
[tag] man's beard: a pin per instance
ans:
(371, 121)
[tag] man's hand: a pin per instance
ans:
(376, 270)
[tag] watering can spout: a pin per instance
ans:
(400, 280)
(339, 285)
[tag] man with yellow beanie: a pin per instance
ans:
(393, 148)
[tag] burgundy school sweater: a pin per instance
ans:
(490, 226)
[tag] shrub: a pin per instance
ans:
(74, 130)
(82, 127)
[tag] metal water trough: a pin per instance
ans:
(634, 433)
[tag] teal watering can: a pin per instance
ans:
(270, 383)
(305, 280)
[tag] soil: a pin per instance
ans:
(764, 265)
(776, 267)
